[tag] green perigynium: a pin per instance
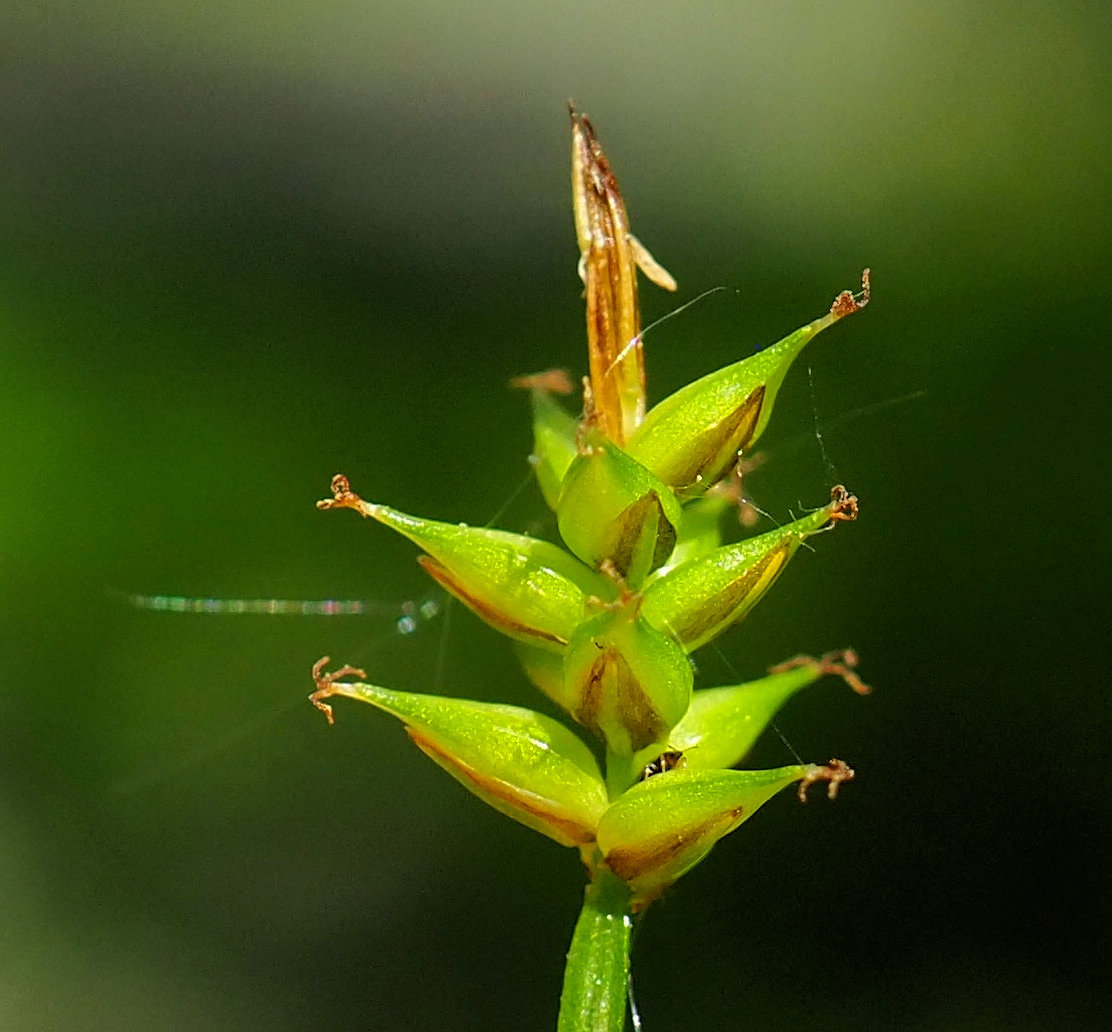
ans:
(605, 627)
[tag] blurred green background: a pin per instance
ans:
(244, 246)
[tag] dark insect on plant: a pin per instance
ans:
(673, 759)
(605, 625)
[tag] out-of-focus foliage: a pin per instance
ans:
(242, 248)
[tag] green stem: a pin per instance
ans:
(597, 972)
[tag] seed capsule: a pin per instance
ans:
(613, 511)
(522, 763)
(522, 586)
(625, 680)
(663, 826)
(692, 438)
(699, 599)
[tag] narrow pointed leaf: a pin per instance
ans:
(702, 597)
(609, 271)
(522, 763)
(609, 257)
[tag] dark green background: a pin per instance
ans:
(246, 245)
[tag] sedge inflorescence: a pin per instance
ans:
(605, 625)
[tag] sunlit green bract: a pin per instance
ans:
(604, 620)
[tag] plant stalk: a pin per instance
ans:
(597, 972)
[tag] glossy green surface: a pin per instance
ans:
(702, 597)
(614, 510)
(723, 724)
(692, 438)
(554, 432)
(521, 762)
(594, 995)
(523, 586)
(627, 681)
(666, 824)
